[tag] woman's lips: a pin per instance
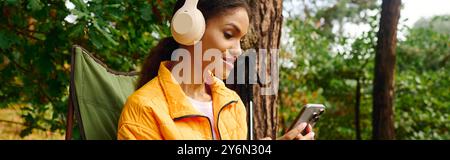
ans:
(230, 59)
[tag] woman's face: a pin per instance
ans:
(224, 33)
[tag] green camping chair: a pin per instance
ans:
(97, 95)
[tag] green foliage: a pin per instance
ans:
(423, 82)
(323, 72)
(440, 24)
(320, 65)
(35, 44)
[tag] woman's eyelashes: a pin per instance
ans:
(228, 35)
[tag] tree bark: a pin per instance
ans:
(383, 90)
(357, 108)
(264, 33)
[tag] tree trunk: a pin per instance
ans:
(357, 108)
(264, 33)
(383, 90)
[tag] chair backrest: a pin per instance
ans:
(97, 95)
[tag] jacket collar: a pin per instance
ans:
(179, 105)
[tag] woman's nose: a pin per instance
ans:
(236, 50)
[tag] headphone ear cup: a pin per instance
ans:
(200, 27)
(188, 26)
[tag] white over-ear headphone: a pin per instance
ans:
(188, 24)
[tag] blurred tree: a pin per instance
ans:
(320, 64)
(264, 33)
(383, 92)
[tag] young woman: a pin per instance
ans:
(165, 108)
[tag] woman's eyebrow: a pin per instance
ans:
(235, 27)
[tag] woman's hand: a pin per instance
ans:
(296, 133)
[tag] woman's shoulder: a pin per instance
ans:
(148, 96)
(143, 106)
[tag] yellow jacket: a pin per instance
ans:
(161, 111)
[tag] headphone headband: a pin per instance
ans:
(190, 4)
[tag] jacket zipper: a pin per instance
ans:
(218, 117)
(209, 121)
(194, 115)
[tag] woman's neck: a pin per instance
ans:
(197, 91)
(200, 92)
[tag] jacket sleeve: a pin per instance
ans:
(137, 123)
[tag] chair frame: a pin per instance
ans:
(73, 113)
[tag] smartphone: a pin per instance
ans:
(310, 114)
